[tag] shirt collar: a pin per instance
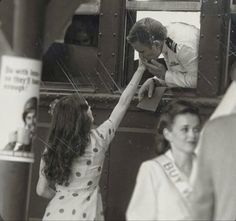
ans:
(164, 48)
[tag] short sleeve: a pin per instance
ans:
(143, 205)
(106, 131)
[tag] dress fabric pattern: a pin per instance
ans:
(80, 198)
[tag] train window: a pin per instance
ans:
(165, 17)
(232, 45)
(67, 62)
(217, 43)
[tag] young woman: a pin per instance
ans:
(162, 186)
(21, 139)
(74, 156)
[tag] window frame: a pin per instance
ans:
(220, 77)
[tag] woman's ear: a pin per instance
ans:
(167, 134)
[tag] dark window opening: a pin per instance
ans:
(83, 31)
(74, 61)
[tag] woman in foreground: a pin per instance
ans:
(73, 158)
(162, 185)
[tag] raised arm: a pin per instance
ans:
(126, 97)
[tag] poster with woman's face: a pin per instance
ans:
(19, 95)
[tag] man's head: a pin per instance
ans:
(147, 37)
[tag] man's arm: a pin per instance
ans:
(188, 59)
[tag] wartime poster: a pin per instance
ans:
(19, 95)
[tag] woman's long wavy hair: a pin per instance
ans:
(167, 119)
(68, 137)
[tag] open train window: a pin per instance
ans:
(212, 17)
(163, 12)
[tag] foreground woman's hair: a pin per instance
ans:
(68, 137)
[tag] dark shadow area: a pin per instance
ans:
(69, 63)
(83, 31)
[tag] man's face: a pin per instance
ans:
(148, 52)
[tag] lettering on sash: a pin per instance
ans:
(172, 171)
(174, 174)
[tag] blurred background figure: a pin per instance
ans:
(214, 196)
(162, 186)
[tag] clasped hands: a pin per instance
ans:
(158, 70)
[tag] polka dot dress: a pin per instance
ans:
(80, 198)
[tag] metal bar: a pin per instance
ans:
(233, 6)
(212, 46)
(111, 32)
(225, 66)
(5, 47)
(163, 6)
(129, 51)
(27, 34)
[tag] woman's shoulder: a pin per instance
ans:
(152, 170)
(152, 165)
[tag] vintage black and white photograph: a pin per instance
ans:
(117, 110)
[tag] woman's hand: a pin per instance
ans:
(156, 68)
(141, 65)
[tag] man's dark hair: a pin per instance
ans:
(146, 31)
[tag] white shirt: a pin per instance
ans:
(182, 56)
(155, 197)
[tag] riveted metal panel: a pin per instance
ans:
(110, 50)
(213, 46)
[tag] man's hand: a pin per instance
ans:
(147, 87)
(156, 68)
